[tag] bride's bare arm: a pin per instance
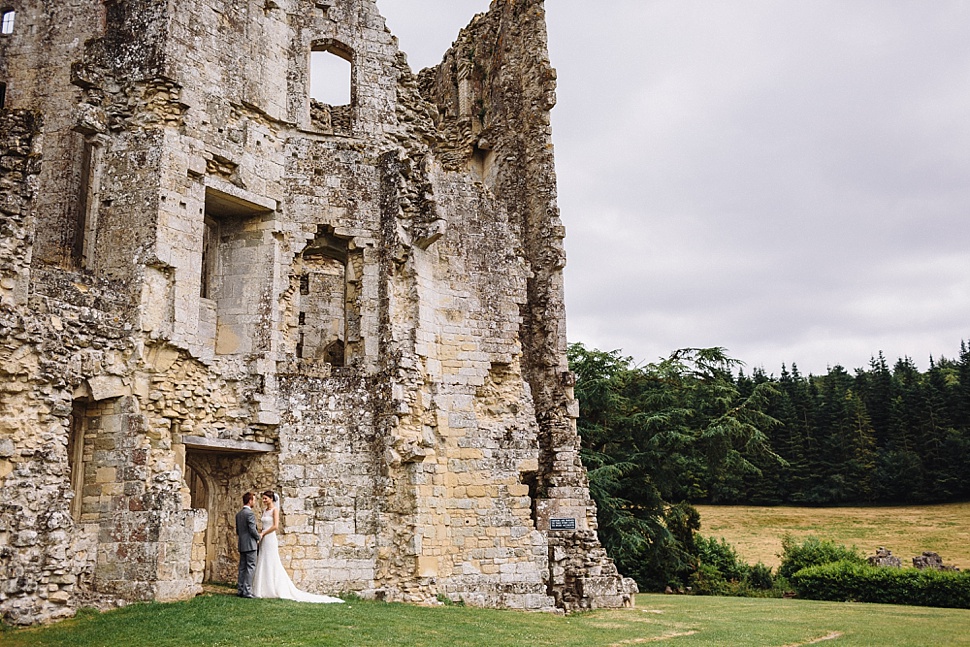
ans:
(276, 523)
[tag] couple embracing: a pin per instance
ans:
(261, 573)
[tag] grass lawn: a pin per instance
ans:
(227, 621)
(907, 531)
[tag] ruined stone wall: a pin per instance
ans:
(67, 413)
(208, 291)
(494, 91)
(328, 480)
(18, 169)
(37, 69)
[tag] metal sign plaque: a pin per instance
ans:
(562, 524)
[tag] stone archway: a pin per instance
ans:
(218, 473)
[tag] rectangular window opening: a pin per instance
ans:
(331, 89)
(330, 76)
(6, 24)
(531, 479)
(237, 266)
(84, 225)
(324, 303)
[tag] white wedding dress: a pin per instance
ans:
(271, 579)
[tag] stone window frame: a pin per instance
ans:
(228, 211)
(86, 204)
(343, 51)
(326, 245)
(8, 18)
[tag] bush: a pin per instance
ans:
(759, 577)
(722, 556)
(850, 581)
(813, 552)
(721, 572)
(707, 580)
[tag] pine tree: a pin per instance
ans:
(802, 432)
(875, 387)
(847, 441)
(901, 476)
(941, 447)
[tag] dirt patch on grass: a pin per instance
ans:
(830, 636)
(655, 639)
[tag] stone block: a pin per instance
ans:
(104, 387)
(426, 566)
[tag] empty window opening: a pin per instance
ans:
(323, 301)
(330, 78)
(331, 88)
(6, 26)
(531, 479)
(3, 95)
(236, 266)
(322, 309)
(333, 354)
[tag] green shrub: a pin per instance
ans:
(759, 577)
(813, 552)
(722, 556)
(851, 581)
(707, 580)
(720, 571)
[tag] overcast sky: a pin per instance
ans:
(789, 180)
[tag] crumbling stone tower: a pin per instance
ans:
(212, 282)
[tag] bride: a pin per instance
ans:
(271, 580)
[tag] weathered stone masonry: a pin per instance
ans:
(211, 283)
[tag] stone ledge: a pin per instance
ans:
(228, 446)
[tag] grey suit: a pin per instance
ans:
(248, 543)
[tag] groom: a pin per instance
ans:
(248, 543)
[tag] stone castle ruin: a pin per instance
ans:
(214, 281)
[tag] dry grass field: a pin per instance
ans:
(905, 530)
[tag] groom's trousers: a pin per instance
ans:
(247, 566)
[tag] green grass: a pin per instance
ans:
(907, 531)
(226, 621)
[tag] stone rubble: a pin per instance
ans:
(884, 558)
(932, 561)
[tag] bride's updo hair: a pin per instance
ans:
(270, 494)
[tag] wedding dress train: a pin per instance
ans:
(271, 579)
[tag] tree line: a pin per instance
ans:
(693, 428)
(880, 435)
